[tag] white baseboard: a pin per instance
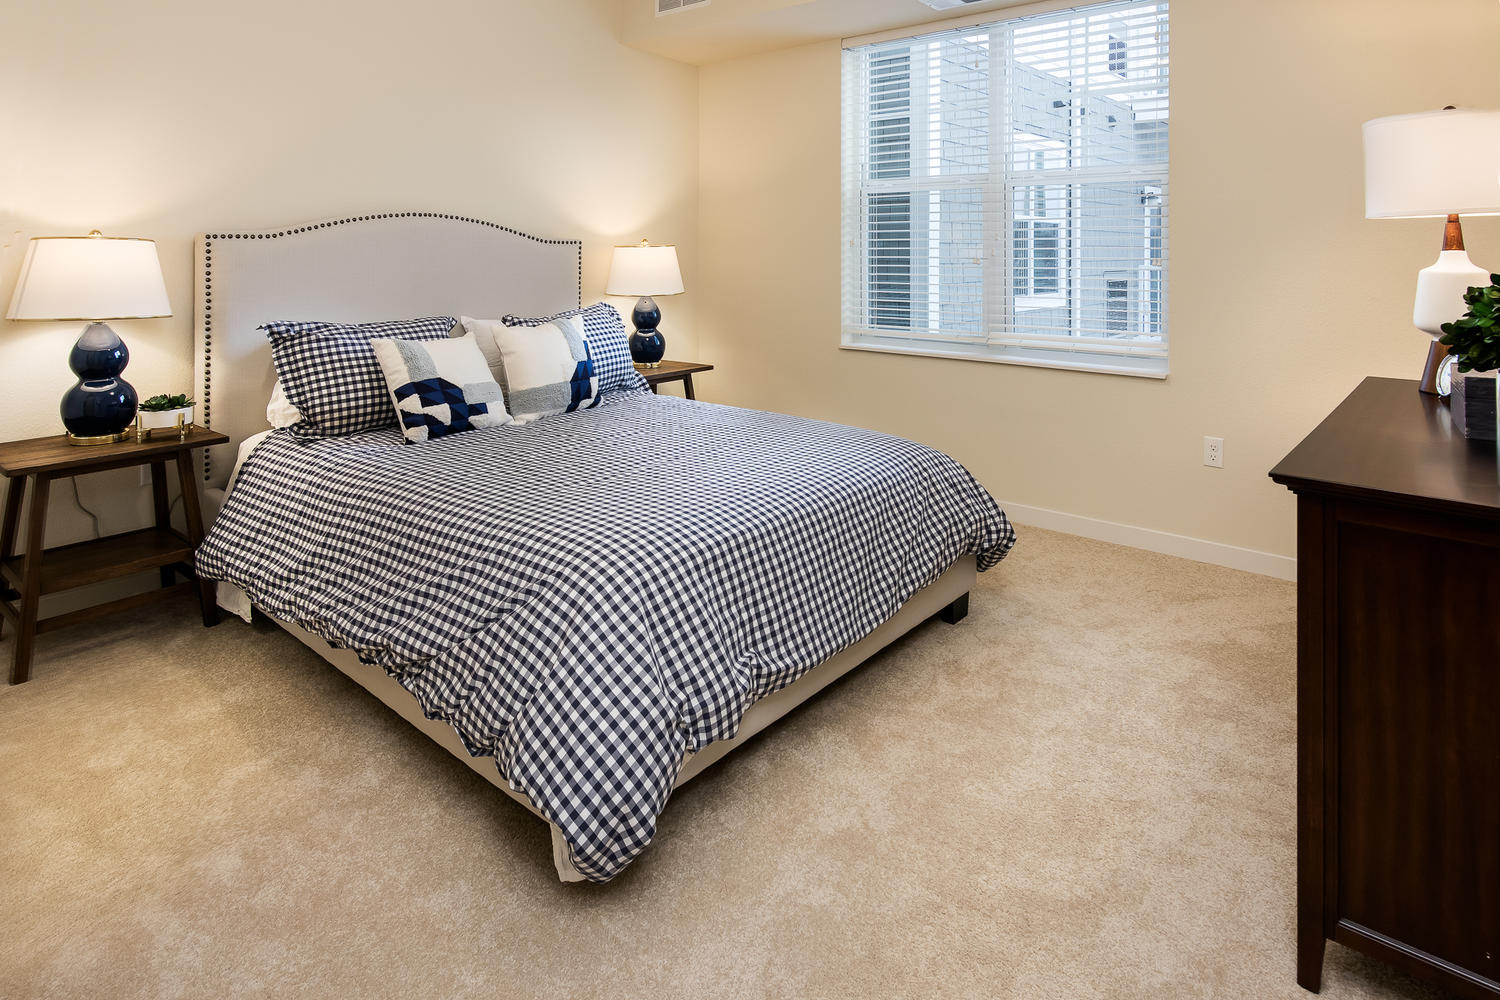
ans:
(1201, 550)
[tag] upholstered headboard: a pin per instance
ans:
(397, 265)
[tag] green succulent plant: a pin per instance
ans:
(156, 404)
(1475, 339)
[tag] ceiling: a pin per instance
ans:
(726, 29)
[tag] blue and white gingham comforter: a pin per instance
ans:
(587, 597)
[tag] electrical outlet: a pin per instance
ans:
(1213, 452)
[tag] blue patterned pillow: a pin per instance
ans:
(329, 372)
(604, 331)
(440, 387)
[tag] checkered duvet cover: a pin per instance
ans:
(587, 597)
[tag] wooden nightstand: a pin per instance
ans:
(48, 571)
(674, 371)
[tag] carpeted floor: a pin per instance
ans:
(1084, 790)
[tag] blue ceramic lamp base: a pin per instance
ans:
(101, 407)
(647, 345)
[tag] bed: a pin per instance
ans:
(589, 610)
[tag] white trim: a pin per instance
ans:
(1100, 366)
(1182, 546)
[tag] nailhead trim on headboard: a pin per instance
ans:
(208, 284)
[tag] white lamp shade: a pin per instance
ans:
(1436, 163)
(90, 278)
(644, 270)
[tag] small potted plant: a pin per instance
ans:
(164, 413)
(1474, 341)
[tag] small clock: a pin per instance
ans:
(1445, 376)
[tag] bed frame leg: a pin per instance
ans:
(560, 859)
(957, 611)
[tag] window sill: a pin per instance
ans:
(1154, 369)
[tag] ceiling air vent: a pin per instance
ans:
(934, 4)
(673, 6)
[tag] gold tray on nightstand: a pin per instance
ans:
(181, 428)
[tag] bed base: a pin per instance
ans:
(947, 598)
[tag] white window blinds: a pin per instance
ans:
(1005, 191)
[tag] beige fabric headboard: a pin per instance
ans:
(397, 265)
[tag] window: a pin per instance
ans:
(1119, 63)
(1116, 303)
(1035, 245)
(1005, 191)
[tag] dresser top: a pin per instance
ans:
(1390, 443)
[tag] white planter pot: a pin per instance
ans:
(178, 420)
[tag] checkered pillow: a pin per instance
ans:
(329, 371)
(440, 387)
(604, 331)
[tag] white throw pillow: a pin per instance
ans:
(440, 387)
(544, 370)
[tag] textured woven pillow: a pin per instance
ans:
(544, 370)
(440, 387)
(604, 331)
(329, 372)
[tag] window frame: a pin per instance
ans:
(1002, 340)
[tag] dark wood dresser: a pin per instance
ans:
(1398, 689)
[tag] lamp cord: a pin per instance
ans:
(77, 500)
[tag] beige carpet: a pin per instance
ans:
(1084, 790)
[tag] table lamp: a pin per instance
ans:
(645, 270)
(93, 278)
(1436, 164)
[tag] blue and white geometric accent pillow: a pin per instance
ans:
(545, 370)
(604, 331)
(440, 387)
(329, 372)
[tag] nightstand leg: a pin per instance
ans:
(207, 598)
(13, 497)
(163, 511)
(687, 386)
(31, 583)
(14, 494)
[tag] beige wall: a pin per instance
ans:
(164, 118)
(1282, 295)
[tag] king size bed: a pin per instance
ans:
(590, 608)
